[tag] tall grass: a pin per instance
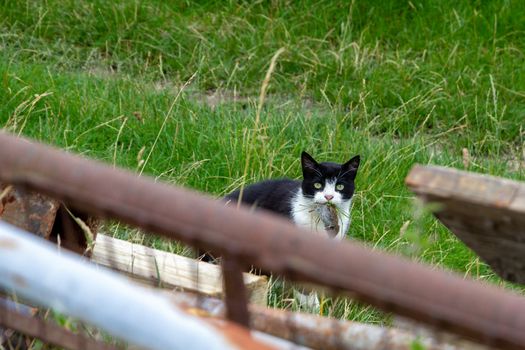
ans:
(401, 67)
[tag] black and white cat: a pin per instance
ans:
(307, 202)
(321, 203)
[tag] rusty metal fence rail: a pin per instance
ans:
(471, 309)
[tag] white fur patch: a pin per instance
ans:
(304, 213)
(307, 301)
(328, 190)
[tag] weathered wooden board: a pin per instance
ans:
(167, 270)
(487, 213)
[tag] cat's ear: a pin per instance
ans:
(350, 168)
(310, 166)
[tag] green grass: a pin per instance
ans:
(396, 67)
(397, 82)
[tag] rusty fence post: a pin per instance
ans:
(234, 291)
(47, 218)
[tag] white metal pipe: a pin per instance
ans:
(32, 268)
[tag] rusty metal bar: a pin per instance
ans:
(48, 332)
(47, 218)
(30, 211)
(324, 333)
(235, 292)
(485, 313)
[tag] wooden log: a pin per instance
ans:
(167, 270)
(487, 213)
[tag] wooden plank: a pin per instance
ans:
(167, 270)
(487, 213)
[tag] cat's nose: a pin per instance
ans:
(328, 197)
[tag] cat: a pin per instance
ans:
(319, 203)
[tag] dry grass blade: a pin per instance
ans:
(5, 191)
(90, 237)
(262, 97)
(116, 141)
(168, 114)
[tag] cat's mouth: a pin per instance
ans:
(327, 203)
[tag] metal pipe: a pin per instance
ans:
(468, 308)
(33, 269)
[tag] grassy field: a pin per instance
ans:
(171, 89)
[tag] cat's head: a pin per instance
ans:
(328, 182)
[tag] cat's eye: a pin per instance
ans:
(318, 185)
(339, 187)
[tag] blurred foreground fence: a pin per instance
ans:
(480, 312)
(33, 269)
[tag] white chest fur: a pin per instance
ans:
(304, 214)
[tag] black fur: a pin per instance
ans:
(273, 195)
(277, 195)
